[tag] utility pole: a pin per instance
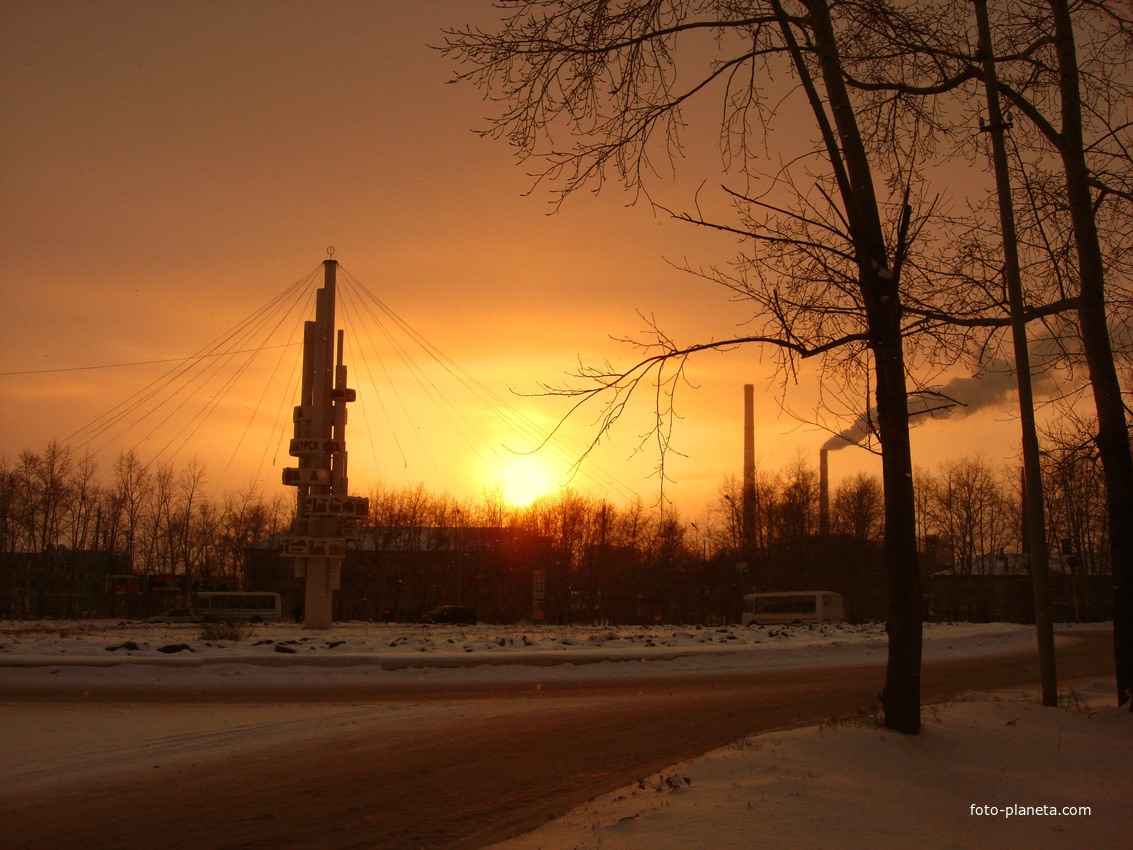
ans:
(326, 515)
(747, 505)
(1032, 473)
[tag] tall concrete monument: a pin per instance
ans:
(326, 515)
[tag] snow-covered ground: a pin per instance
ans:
(66, 651)
(990, 771)
(987, 771)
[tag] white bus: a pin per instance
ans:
(229, 606)
(804, 606)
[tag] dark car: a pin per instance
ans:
(458, 615)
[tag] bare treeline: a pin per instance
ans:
(165, 519)
(160, 516)
(968, 507)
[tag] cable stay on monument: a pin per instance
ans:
(519, 423)
(386, 351)
(180, 384)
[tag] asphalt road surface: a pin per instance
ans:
(462, 779)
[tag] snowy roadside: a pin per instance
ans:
(848, 785)
(50, 652)
(987, 771)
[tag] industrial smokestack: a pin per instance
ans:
(748, 506)
(823, 493)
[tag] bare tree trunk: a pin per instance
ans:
(902, 693)
(1113, 431)
(880, 288)
(1033, 501)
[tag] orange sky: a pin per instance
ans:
(168, 168)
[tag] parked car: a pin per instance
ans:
(180, 615)
(460, 615)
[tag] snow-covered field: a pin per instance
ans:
(957, 785)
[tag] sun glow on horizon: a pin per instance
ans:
(525, 478)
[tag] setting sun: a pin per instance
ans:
(524, 478)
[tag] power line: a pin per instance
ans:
(194, 357)
(178, 381)
(506, 413)
(193, 388)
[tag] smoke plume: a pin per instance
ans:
(955, 399)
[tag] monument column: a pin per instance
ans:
(326, 515)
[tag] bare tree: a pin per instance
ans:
(190, 482)
(1076, 505)
(9, 507)
(83, 506)
(160, 528)
(856, 507)
(728, 504)
(797, 507)
(28, 501)
(43, 495)
(1113, 429)
(1067, 74)
(829, 269)
(133, 484)
(969, 509)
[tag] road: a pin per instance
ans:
(516, 757)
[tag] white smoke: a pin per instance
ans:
(957, 398)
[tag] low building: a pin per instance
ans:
(997, 587)
(400, 573)
(61, 583)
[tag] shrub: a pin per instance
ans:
(226, 631)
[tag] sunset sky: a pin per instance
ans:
(168, 169)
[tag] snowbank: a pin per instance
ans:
(990, 771)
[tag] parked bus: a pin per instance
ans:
(230, 606)
(807, 606)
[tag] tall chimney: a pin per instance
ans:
(823, 493)
(748, 507)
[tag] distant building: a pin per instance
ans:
(401, 573)
(997, 587)
(59, 583)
